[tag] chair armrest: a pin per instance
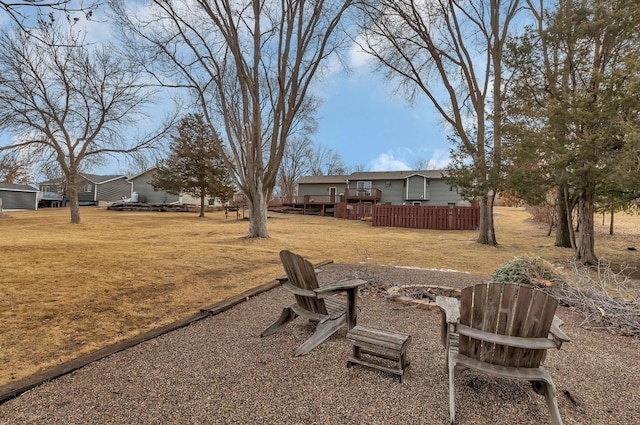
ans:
(511, 341)
(449, 315)
(298, 291)
(558, 336)
(340, 286)
(450, 307)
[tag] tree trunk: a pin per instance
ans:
(487, 235)
(563, 233)
(202, 196)
(611, 221)
(569, 208)
(585, 251)
(72, 189)
(257, 200)
(258, 203)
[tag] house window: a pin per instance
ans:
(87, 187)
(364, 188)
(417, 203)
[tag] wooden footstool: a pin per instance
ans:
(382, 344)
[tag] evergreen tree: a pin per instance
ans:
(195, 164)
(573, 108)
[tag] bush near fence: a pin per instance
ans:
(426, 217)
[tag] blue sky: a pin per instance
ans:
(360, 118)
(367, 124)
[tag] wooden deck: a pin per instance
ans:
(140, 206)
(325, 207)
(416, 217)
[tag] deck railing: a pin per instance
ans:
(370, 194)
(283, 200)
(306, 199)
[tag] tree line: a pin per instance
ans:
(540, 97)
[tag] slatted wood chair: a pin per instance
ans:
(314, 302)
(502, 330)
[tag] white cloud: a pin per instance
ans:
(99, 29)
(332, 65)
(440, 158)
(358, 59)
(350, 67)
(386, 162)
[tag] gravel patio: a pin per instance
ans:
(219, 371)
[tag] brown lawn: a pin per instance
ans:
(67, 290)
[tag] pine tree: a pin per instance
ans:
(195, 164)
(573, 109)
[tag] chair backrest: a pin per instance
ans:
(302, 274)
(505, 309)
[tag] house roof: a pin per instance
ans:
(17, 187)
(93, 178)
(56, 181)
(372, 175)
(323, 179)
(141, 174)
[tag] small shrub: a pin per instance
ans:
(528, 270)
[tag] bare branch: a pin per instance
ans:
(70, 101)
(248, 65)
(451, 52)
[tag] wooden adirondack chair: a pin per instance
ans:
(502, 330)
(314, 302)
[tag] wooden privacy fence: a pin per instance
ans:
(420, 217)
(353, 211)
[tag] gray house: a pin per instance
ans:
(18, 197)
(93, 189)
(141, 184)
(427, 188)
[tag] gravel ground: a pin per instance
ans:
(219, 371)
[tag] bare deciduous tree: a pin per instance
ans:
(21, 12)
(249, 65)
(324, 161)
(15, 168)
(450, 51)
(68, 101)
(359, 168)
(420, 163)
(295, 164)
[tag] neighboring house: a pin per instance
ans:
(18, 197)
(427, 188)
(92, 189)
(50, 200)
(141, 184)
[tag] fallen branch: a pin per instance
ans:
(605, 298)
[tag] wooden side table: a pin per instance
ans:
(380, 344)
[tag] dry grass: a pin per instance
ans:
(69, 289)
